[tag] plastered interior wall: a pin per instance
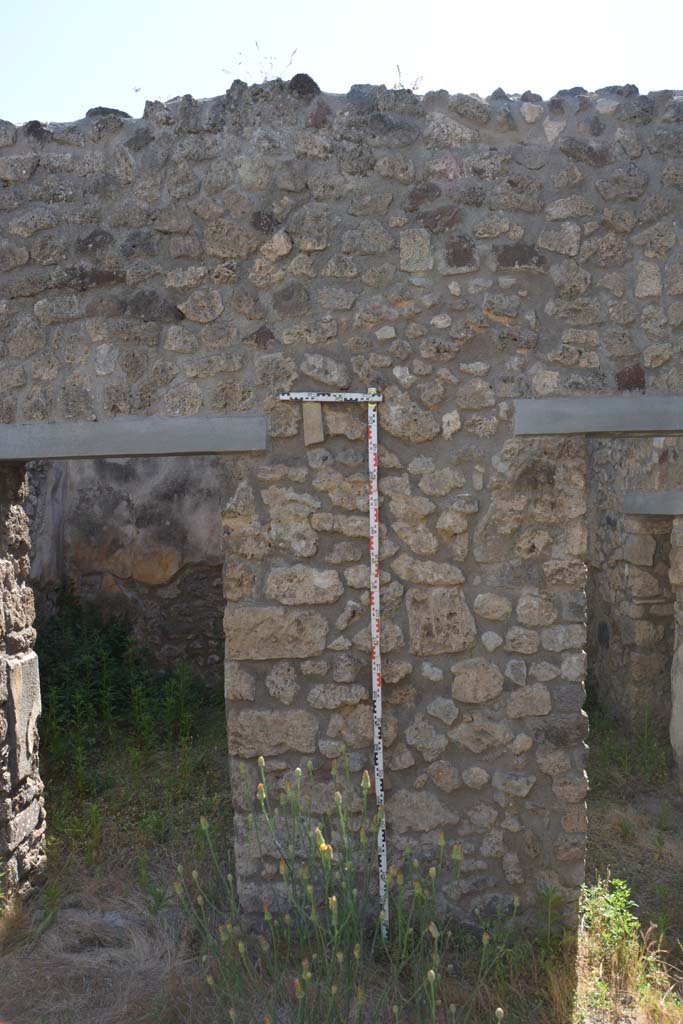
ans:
(141, 538)
(455, 253)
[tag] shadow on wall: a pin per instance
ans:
(630, 602)
(142, 537)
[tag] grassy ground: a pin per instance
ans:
(107, 940)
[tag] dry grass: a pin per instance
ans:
(105, 944)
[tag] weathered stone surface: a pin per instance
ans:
(492, 606)
(416, 570)
(23, 711)
(239, 684)
(476, 681)
(203, 305)
(407, 421)
(429, 740)
(326, 697)
(439, 621)
(418, 812)
(529, 700)
(282, 683)
(302, 584)
(253, 733)
(263, 633)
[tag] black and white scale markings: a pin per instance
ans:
(371, 398)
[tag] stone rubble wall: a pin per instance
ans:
(22, 812)
(455, 253)
(142, 538)
(630, 601)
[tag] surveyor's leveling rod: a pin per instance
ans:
(371, 399)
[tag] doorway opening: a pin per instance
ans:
(127, 573)
(635, 823)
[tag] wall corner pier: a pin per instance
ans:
(22, 813)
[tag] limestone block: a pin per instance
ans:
(529, 700)
(480, 732)
(514, 783)
(563, 638)
(475, 777)
(326, 697)
(415, 570)
(439, 621)
(426, 738)
(263, 633)
(252, 733)
(415, 250)
(22, 825)
(239, 685)
(476, 681)
(281, 683)
(23, 711)
(444, 775)
(492, 606)
(354, 727)
(418, 812)
(302, 584)
(536, 610)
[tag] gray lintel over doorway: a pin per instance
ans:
(124, 436)
(654, 503)
(609, 415)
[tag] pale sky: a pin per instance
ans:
(61, 57)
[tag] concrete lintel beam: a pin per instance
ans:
(654, 503)
(611, 415)
(133, 436)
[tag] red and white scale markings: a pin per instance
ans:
(371, 398)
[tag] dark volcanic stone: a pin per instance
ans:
(461, 251)
(80, 278)
(363, 97)
(631, 378)
(576, 90)
(140, 242)
(104, 111)
(151, 306)
(260, 337)
(440, 218)
(302, 85)
(519, 256)
(597, 154)
(636, 110)
(669, 141)
(555, 106)
(94, 242)
(139, 139)
(426, 193)
(265, 221)
(531, 97)
(390, 130)
(499, 94)
(618, 90)
(292, 299)
(35, 130)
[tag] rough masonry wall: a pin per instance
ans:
(630, 602)
(22, 814)
(142, 538)
(456, 254)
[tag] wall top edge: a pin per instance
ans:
(624, 101)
